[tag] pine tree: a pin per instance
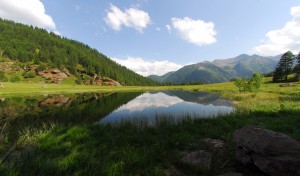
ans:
(284, 67)
(298, 63)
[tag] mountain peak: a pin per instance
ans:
(242, 56)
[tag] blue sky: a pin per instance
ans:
(155, 36)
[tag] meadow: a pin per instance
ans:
(126, 149)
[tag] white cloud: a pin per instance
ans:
(197, 32)
(148, 100)
(284, 39)
(168, 28)
(147, 68)
(30, 12)
(131, 18)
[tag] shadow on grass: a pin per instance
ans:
(129, 150)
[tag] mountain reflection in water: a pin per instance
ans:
(174, 105)
(88, 108)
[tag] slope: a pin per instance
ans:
(29, 45)
(222, 70)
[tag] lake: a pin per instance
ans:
(112, 108)
(153, 107)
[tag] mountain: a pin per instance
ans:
(160, 78)
(26, 51)
(221, 70)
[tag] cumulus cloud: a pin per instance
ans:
(147, 68)
(284, 39)
(169, 28)
(131, 18)
(30, 12)
(197, 32)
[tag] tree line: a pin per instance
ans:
(25, 43)
(288, 64)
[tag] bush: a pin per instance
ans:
(79, 80)
(15, 79)
(3, 77)
(41, 67)
(249, 85)
(29, 75)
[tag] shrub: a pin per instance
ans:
(41, 67)
(249, 85)
(29, 74)
(3, 77)
(15, 78)
(79, 80)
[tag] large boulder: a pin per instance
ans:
(274, 153)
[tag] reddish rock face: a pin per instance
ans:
(8, 66)
(55, 75)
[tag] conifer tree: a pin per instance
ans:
(284, 67)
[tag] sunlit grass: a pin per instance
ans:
(127, 149)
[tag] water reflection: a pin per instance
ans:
(34, 112)
(175, 105)
(23, 112)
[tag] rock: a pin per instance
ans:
(1, 86)
(200, 158)
(215, 144)
(275, 154)
(232, 174)
(6, 66)
(287, 85)
(55, 71)
(54, 75)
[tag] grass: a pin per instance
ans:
(126, 149)
(29, 88)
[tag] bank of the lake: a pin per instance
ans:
(130, 150)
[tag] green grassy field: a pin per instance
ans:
(25, 88)
(129, 150)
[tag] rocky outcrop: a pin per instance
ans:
(200, 158)
(274, 153)
(54, 75)
(8, 66)
(99, 80)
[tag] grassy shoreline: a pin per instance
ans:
(21, 89)
(125, 149)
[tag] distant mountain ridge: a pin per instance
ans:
(220, 70)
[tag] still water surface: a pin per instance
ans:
(151, 107)
(112, 108)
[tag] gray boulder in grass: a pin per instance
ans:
(275, 154)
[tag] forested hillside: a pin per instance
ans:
(26, 44)
(220, 70)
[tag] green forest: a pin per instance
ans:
(28, 44)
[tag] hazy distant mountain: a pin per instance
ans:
(161, 78)
(220, 70)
